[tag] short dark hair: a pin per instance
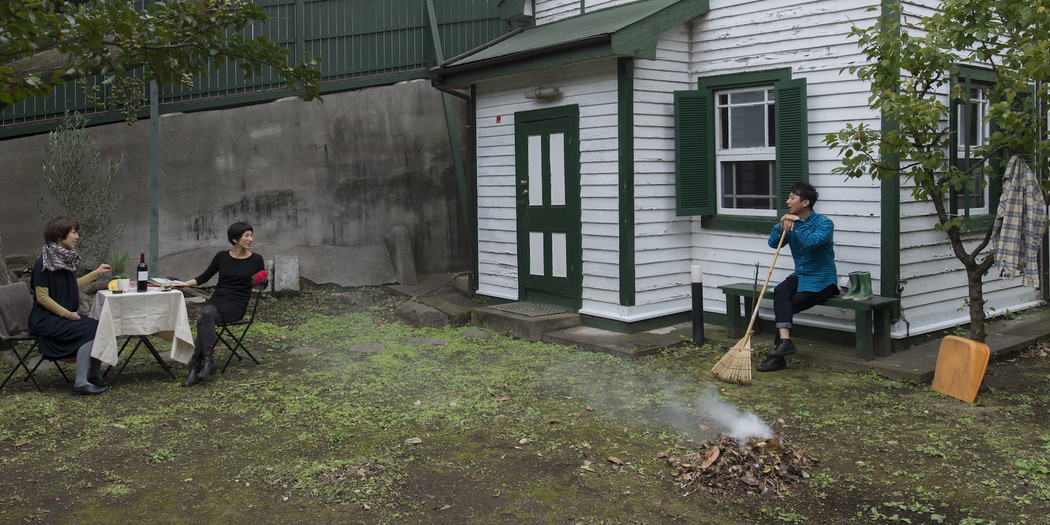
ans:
(236, 230)
(58, 228)
(806, 192)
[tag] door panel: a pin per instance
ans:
(549, 232)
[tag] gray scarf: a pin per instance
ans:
(56, 257)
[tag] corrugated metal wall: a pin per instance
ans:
(368, 42)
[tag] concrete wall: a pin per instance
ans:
(323, 181)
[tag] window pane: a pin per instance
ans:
(748, 128)
(973, 124)
(748, 184)
(747, 97)
(557, 156)
(771, 125)
(535, 170)
(971, 134)
(971, 197)
(723, 123)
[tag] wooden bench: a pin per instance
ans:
(872, 317)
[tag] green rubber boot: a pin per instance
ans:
(854, 285)
(864, 287)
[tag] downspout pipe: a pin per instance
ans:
(482, 47)
(437, 76)
(436, 80)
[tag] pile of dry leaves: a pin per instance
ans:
(1040, 349)
(725, 467)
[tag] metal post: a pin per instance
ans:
(698, 304)
(154, 175)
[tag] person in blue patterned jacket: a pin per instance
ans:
(811, 237)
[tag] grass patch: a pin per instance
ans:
(497, 430)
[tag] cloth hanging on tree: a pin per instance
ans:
(1019, 223)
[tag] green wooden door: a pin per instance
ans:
(550, 254)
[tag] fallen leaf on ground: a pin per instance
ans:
(553, 421)
(413, 441)
(21, 443)
(710, 457)
(522, 441)
(613, 459)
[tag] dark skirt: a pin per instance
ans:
(61, 337)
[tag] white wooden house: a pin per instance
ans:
(620, 142)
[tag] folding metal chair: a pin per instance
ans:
(232, 334)
(15, 305)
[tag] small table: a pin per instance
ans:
(140, 314)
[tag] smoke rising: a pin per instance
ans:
(741, 426)
(708, 410)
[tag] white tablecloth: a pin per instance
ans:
(150, 313)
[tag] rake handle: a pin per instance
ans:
(754, 313)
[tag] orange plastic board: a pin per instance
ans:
(960, 367)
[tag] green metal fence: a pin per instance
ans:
(362, 43)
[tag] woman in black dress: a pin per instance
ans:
(54, 320)
(238, 269)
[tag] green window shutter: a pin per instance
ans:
(694, 152)
(792, 129)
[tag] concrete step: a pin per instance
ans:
(620, 344)
(531, 327)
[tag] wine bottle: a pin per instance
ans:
(143, 273)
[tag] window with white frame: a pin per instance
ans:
(741, 141)
(971, 134)
(745, 132)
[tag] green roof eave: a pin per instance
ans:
(628, 30)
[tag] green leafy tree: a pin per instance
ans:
(47, 43)
(75, 184)
(909, 69)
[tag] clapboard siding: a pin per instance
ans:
(810, 38)
(662, 276)
(593, 88)
(548, 11)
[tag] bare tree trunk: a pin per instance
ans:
(5, 276)
(977, 316)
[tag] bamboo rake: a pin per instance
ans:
(735, 366)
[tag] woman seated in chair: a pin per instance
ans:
(54, 320)
(238, 270)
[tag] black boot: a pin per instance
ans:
(772, 364)
(99, 381)
(208, 366)
(784, 347)
(194, 376)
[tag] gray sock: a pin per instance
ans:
(84, 364)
